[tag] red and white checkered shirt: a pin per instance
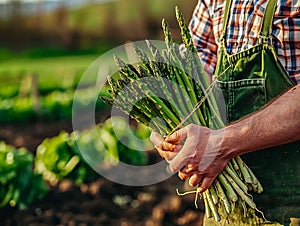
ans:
(243, 30)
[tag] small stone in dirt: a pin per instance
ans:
(94, 188)
(174, 204)
(72, 223)
(84, 188)
(152, 222)
(145, 197)
(124, 222)
(158, 213)
(48, 213)
(135, 203)
(38, 211)
(122, 200)
(189, 217)
(65, 185)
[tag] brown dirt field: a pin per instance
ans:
(100, 202)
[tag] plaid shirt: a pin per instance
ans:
(243, 30)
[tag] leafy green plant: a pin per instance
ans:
(59, 157)
(55, 160)
(124, 153)
(19, 185)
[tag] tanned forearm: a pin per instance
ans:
(277, 123)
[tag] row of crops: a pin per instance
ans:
(56, 105)
(26, 178)
(27, 102)
(42, 89)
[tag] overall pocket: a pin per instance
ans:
(242, 97)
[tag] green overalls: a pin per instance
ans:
(249, 80)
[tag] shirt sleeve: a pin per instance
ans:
(201, 29)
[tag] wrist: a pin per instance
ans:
(219, 142)
(235, 140)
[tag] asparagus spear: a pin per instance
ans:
(204, 82)
(222, 196)
(212, 206)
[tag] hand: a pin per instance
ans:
(201, 157)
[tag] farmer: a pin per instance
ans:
(267, 138)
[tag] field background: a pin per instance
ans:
(43, 55)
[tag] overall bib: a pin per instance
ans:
(248, 81)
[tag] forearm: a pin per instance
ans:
(276, 124)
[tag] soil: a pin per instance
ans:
(100, 202)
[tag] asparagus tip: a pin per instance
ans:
(141, 55)
(107, 100)
(118, 61)
(165, 25)
(178, 12)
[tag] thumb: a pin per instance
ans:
(156, 138)
(206, 183)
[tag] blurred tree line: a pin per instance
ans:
(89, 26)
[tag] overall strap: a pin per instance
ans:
(225, 21)
(267, 21)
(266, 24)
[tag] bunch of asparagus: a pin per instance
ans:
(168, 90)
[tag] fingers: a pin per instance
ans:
(187, 171)
(183, 176)
(160, 142)
(166, 150)
(187, 152)
(167, 146)
(195, 180)
(168, 155)
(177, 136)
(206, 183)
